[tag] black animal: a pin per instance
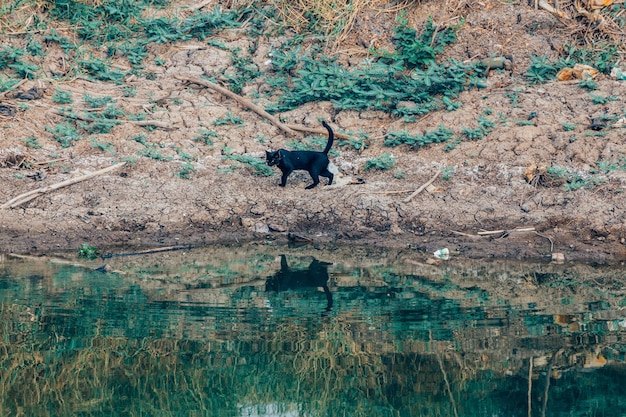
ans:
(315, 276)
(316, 163)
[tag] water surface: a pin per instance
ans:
(264, 331)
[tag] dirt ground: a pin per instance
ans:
(493, 197)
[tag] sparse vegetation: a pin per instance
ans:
(383, 163)
(439, 135)
(88, 252)
(257, 165)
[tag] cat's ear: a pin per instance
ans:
(267, 153)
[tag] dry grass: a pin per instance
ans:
(331, 17)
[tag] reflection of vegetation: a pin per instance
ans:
(202, 335)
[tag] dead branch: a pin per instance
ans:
(26, 197)
(155, 123)
(148, 251)
(316, 131)
(246, 103)
(385, 192)
(499, 232)
(422, 188)
(51, 161)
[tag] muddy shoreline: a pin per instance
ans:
(524, 246)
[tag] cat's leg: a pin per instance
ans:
(328, 175)
(316, 179)
(283, 179)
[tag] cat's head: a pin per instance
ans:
(272, 157)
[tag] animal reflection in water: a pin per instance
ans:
(316, 276)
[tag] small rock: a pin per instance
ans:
(281, 228)
(261, 228)
(558, 258)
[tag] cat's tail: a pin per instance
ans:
(331, 137)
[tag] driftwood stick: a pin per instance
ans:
(148, 251)
(246, 103)
(499, 232)
(51, 161)
(422, 188)
(26, 197)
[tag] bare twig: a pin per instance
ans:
(246, 103)
(148, 251)
(499, 232)
(51, 161)
(547, 237)
(464, 234)
(26, 197)
(317, 131)
(422, 188)
(385, 192)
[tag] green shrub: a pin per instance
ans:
(441, 134)
(258, 165)
(382, 163)
(88, 252)
(62, 97)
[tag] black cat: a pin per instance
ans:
(315, 276)
(316, 163)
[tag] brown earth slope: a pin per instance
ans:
(498, 184)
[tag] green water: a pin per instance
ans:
(237, 332)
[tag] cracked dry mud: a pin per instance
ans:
(483, 186)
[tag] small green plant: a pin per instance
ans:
(103, 146)
(596, 99)
(258, 165)
(153, 152)
(357, 144)
(65, 134)
(398, 174)
(448, 173)
(513, 97)
(452, 144)
(382, 163)
(62, 97)
(540, 70)
(472, 134)
(228, 119)
(574, 181)
(206, 136)
(101, 70)
(32, 142)
(184, 155)
(96, 102)
(568, 127)
(589, 84)
(88, 252)
(610, 166)
(186, 169)
(143, 139)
